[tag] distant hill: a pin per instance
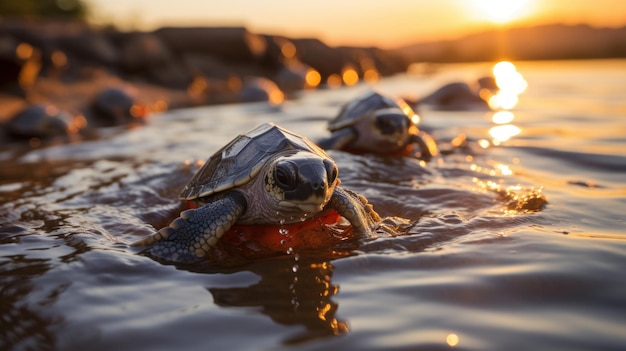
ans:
(548, 42)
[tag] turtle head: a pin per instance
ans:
(389, 128)
(302, 181)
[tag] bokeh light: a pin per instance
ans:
(350, 76)
(371, 75)
(333, 81)
(312, 78)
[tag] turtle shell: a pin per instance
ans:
(353, 112)
(242, 159)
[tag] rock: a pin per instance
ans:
(230, 44)
(10, 67)
(324, 59)
(144, 55)
(455, 96)
(293, 77)
(74, 38)
(41, 121)
(259, 89)
(143, 52)
(215, 68)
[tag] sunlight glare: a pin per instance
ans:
(511, 84)
(503, 133)
(501, 11)
(508, 78)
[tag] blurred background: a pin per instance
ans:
(205, 52)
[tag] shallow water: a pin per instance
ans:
(470, 255)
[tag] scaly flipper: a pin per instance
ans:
(426, 143)
(355, 208)
(191, 235)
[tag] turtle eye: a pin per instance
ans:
(286, 176)
(383, 124)
(331, 171)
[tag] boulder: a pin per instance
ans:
(144, 52)
(234, 44)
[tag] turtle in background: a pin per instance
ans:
(114, 106)
(44, 121)
(268, 175)
(375, 123)
(460, 96)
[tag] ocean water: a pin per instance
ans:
(515, 241)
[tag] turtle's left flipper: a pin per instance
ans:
(191, 235)
(355, 208)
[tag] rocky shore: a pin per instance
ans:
(67, 63)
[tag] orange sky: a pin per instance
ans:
(384, 23)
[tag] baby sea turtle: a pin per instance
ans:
(375, 123)
(43, 121)
(117, 106)
(268, 175)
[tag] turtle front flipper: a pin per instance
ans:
(355, 208)
(339, 139)
(191, 235)
(427, 145)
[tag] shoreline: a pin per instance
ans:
(67, 62)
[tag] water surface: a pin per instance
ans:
(514, 242)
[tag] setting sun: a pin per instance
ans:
(499, 11)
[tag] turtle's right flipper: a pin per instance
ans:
(191, 235)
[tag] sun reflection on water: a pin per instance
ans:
(503, 133)
(511, 84)
(452, 340)
(503, 117)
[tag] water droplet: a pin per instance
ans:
(282, 221)
(282, 242)
(294, 302)
(295, 268)
(283, 231)
(296, 257)
(290, 251)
